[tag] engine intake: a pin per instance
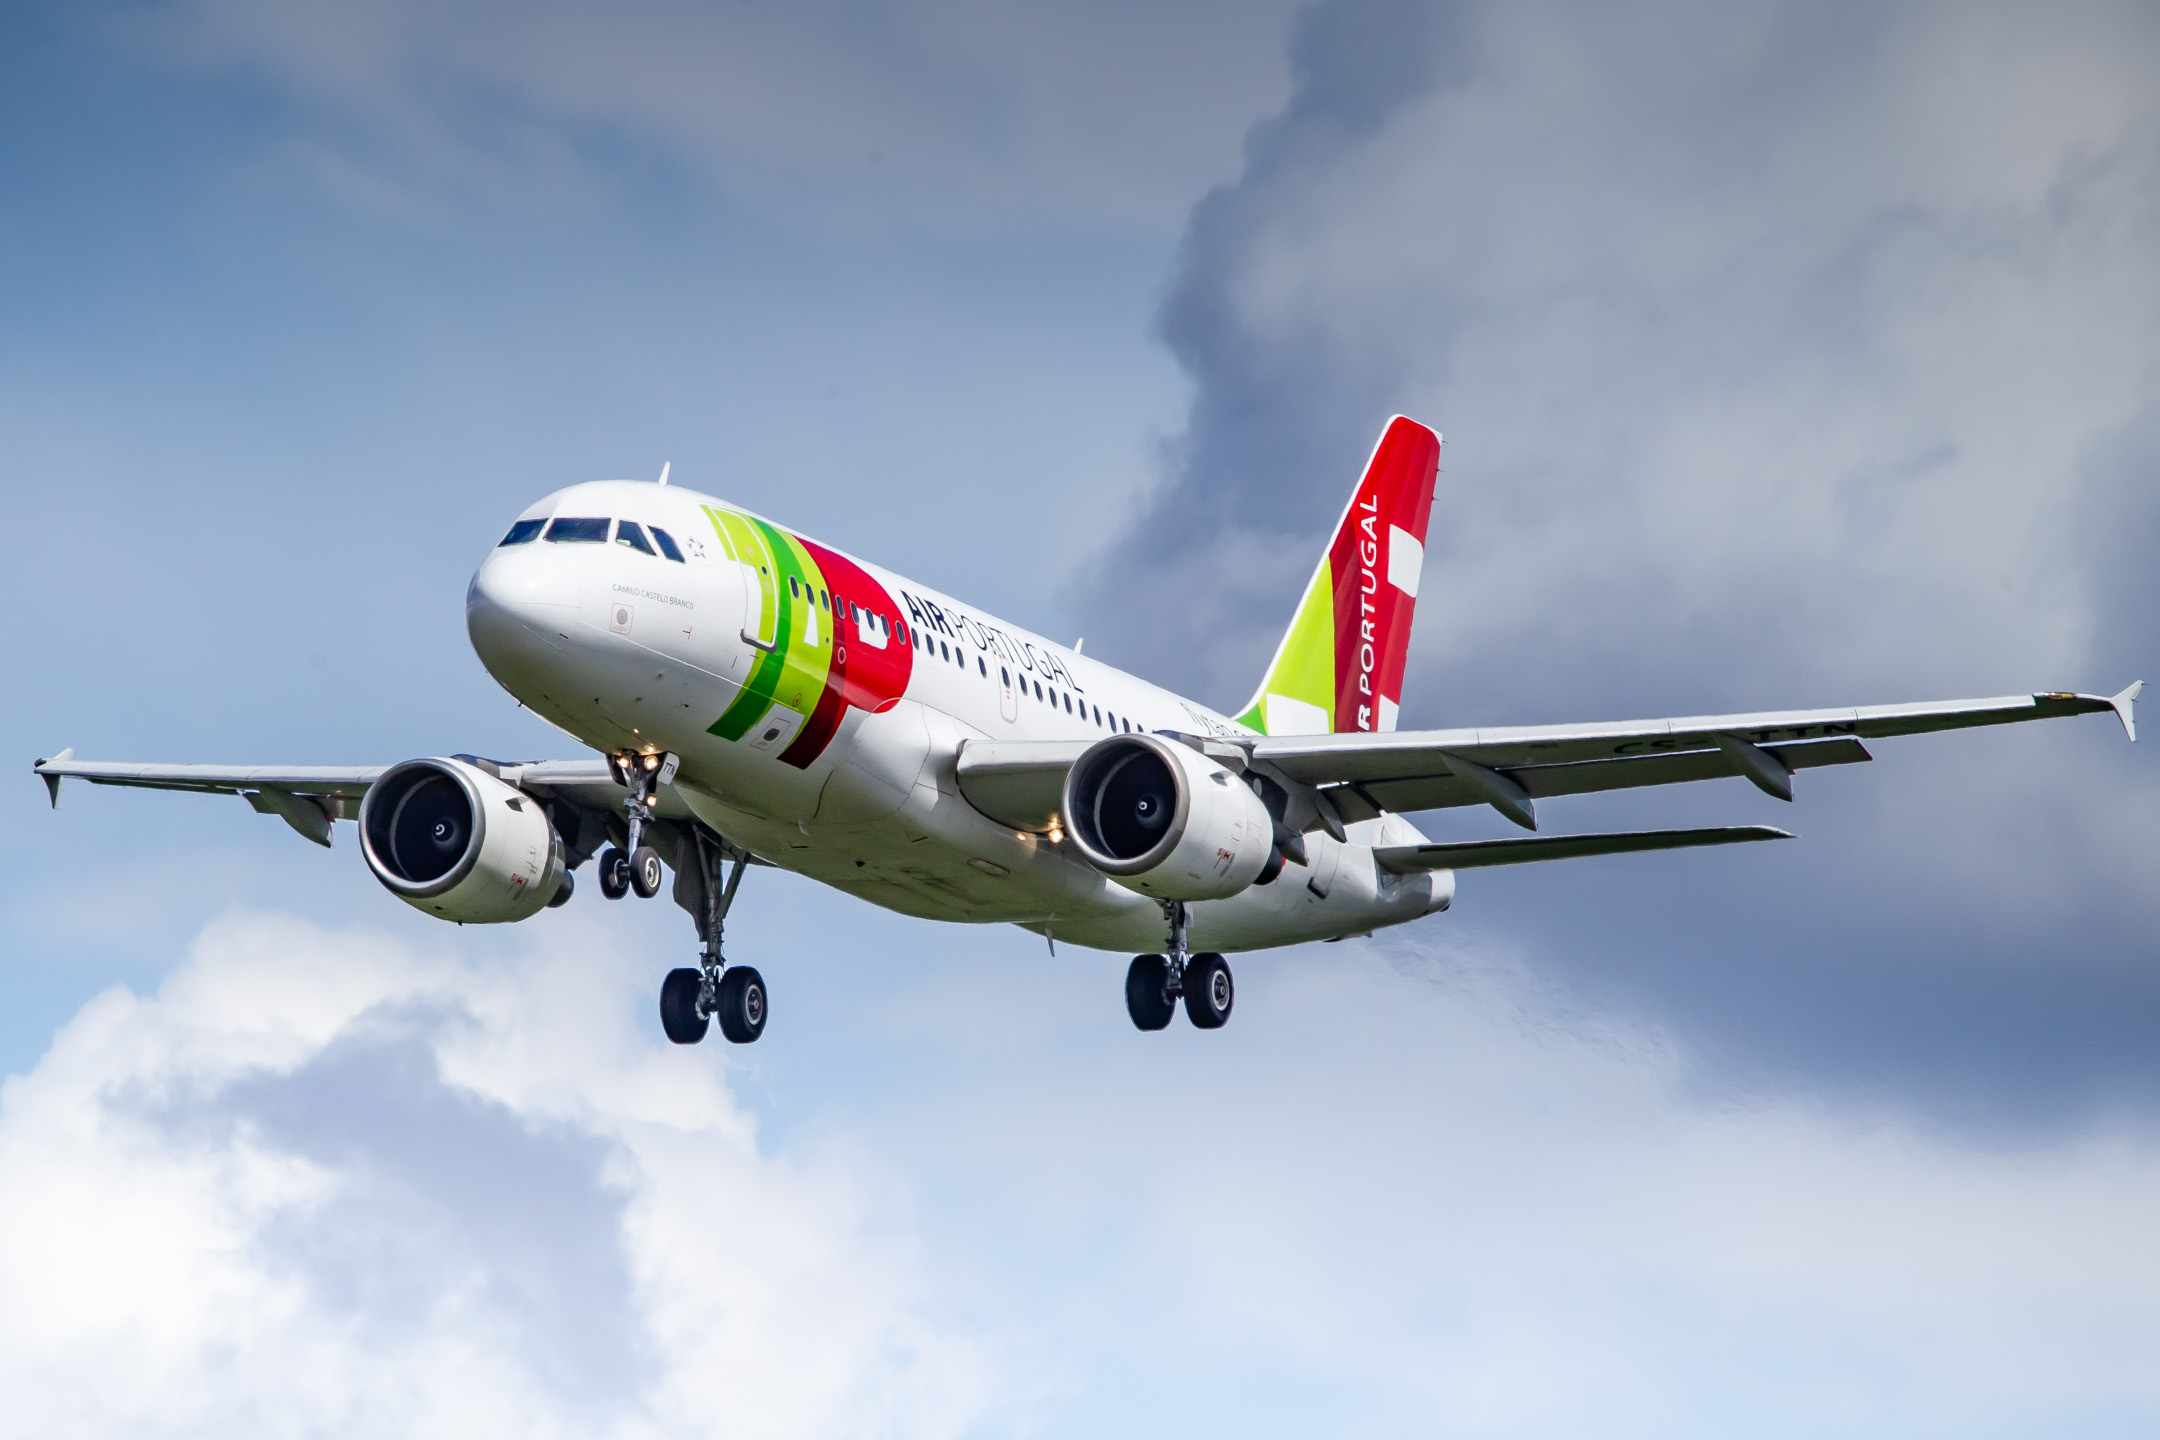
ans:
(452, 840)
(1161, 818)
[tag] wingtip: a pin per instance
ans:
(2124, 704)
(52, 782)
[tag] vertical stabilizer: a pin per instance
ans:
(1340, 666)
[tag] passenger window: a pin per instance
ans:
(523, 533)
(1004, 676)
(1038, 690)
(627, 532)
(824, 600)
(1068, 704)
(568, 530)
(666, 542)
(982, 665)
(942, 650)
(794, 588)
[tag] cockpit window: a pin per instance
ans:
(628, 533)
(584, 532)
(523, 533)
(666, 542)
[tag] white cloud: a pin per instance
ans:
(323, 1182)
(320, 1183)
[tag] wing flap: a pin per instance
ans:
(1439, 791)
(1476, 854)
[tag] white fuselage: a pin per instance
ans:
(627, 650)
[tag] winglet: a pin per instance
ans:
(52, 782)
(2122, 704)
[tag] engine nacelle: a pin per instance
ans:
(1161, 818)
(449, 838)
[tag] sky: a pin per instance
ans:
(1787, 355)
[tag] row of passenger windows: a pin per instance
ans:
(589, 530)
(1053, 697)
(862, 615)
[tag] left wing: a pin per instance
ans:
(1474, 854)
(1330, 780)
(1363, 775)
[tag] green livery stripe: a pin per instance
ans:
(794, 671)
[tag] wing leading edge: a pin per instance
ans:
(1476, 854)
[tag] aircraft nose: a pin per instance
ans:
(518, 609)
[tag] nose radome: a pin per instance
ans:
(518, 609)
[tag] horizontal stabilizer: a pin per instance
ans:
(1474, 854)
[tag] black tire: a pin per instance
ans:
(678, 1007)
(742, 1004)
(1147, 998)
(1209, 992)
(562, 895)
(614, 873)
(646, 871)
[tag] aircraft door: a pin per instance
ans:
(760, 576)
(1008, 698)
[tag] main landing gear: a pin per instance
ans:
(1153, 983)
(691, 999)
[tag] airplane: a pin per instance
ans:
(758, 698)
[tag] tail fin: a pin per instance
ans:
(1340, 666)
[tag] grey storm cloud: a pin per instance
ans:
(1787, 355)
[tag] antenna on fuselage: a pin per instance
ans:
(665, 466)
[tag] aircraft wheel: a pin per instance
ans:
(646, 871)
(1208, 991)
(742, 1004)
(1146, 986)
(562, 895)
(679, 1008)
(614, 873)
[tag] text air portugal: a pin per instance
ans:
(1374, 563)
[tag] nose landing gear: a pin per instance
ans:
(641, 868)
(1153, 983)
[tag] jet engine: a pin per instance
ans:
(452, 840)
(1161, 818)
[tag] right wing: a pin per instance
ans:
(309, 797)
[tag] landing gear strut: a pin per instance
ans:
(641, 868)
(690, 999)
(1153, 983)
